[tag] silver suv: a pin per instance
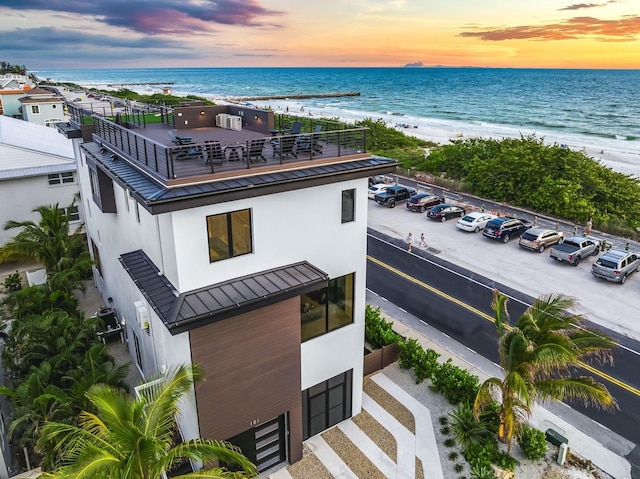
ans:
(615, 265)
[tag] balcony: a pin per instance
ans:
(217, 153)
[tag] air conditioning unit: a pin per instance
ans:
(142, 315)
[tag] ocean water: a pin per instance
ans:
(591, 107)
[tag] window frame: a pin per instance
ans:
(327, 304)
(348, 203)
(228, 235)
(62, 178)
(35, 109)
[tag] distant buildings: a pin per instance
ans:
(242, 251)
(12, 88)
(42, 107)
(37, 167)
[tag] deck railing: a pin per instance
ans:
(180, 162)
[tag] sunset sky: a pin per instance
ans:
(44, 34)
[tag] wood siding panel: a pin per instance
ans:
(252, 372)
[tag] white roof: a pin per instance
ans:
(17, 162)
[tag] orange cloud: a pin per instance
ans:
(622, 30)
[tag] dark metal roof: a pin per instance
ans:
(219, 301)
(155, 287)
(157, 198)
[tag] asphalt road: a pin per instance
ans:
(457, 302)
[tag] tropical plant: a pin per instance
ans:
(134, 437)
(455, 383)
(377, 331)
(537, 356)
(533, 443)
(49, 242)
(466, 428)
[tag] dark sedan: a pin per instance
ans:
(443, 212)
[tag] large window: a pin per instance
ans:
(229, 235)
(326, 404)
(328, 308)
(60, 178)
(348, 206)
(73, 212)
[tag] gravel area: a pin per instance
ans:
(378, 434)
(419, 469)
(309, 467)
(391, 404)
(353, 457)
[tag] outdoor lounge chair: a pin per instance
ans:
(186, 152)
(309, 143)
(255, 150)
(180, 140)
(284, 147)
(214, 152)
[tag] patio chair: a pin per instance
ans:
(180, 140)
(296, 128)
(255, 150)
(186, 152)
(309, 143)
(214, 152)
(284, 147)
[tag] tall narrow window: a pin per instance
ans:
(96, 258)
(35, 109)
(229, 235)
(137, 208)
(348, 205)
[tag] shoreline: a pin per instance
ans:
(611, 153)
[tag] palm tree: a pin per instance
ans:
(49, 242)
(135, 437)
(537, 356)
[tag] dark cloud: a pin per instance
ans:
(580, 6)
(159, 16)
(45, 45)
(622, 30)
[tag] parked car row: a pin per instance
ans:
(614, 265)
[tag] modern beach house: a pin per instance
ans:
(235, 239)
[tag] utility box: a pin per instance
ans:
(555, 438)
(562, 453)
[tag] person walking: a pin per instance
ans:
(410, 241)
(423, 240)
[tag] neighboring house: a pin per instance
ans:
(37, 167)
(43, 107)
(252, 266)
(12, 88)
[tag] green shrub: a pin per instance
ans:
(465, 428)
(413, 355)
(458, 468)
(482, 473)
(443, 420)
(12, 283)
(482, 455)
(445, 430)
(533, 443)
(456, 384)
(453, 455)
(450, 442)
(377, 331)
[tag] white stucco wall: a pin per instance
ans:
(287, 228)
(20, 196)
(46, 111)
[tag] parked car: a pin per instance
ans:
(394, 194)
(474, 221)
(444, 211)
(422, 201)
(375, 189)
(615, 265)
(574, 248)
(537, 239)
(505, 228)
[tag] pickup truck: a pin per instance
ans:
(394, 194)
(575, 248)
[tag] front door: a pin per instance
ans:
(264, 445)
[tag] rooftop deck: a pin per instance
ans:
(211, 152)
